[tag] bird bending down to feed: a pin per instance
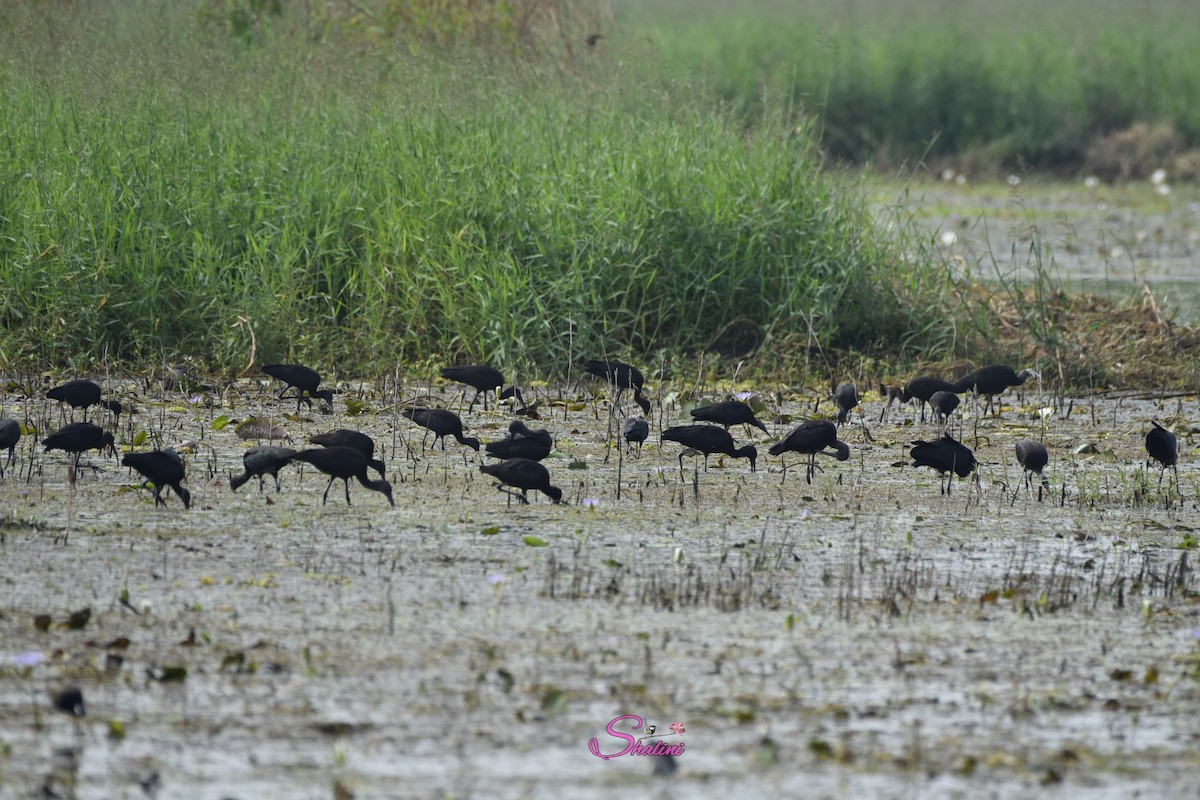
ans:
(160, 468)
(1032, 456)
(443, 423)
(522, 442)
(992, 380)
(943, 405)
(261, 461)
(301, 378)
(341, 437)
(946, 455)
(635, 430)
(845, 397)
(621, 376)
(77, 437)
(484, 380)
(344, 463)
(523, 474)
(727, 413)
(924, 388)
(1163, 448)
(706, 440)
(811, 439)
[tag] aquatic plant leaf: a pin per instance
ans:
(220, 422)
(534, 541)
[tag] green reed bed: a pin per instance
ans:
(171, 192)
(1018, 83)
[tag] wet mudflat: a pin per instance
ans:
(860, 636)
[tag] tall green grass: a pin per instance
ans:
(170, 191)
(1017, 82)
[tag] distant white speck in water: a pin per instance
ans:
(1091, 181)
(805, 514)
(948, 175)
(677, 556)
(495, 578)
(1045, 412)
(1158, 176)
(1013, 180)
(948, 238)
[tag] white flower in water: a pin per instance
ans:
(590, 502)
(948, 175)
(948, 238)
(195, 400)
(495, 578)
(28, 659)
(1014, 180)
(805, 514)
(1158, 176)
(743, 396)
(1045, 412)
(1091, 181)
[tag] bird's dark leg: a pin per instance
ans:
(325, 497)
(812, 464)
(346, 482)
(274, 475)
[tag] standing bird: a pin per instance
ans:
(522, 442)
(77, 394)
(811, 439)
(77, 437)
(635, 430)
(262, 461)
(523, 474)
(160, 468)
(846, 399)
(1162, 447)
(924, 388)
(706, 440)
(10, 434)
(301, 378)
(342, 437)
(344, 463)
(622, 376)
(943, 405)
(1033, 457)
(730, 412)
(484, 380)
(946, 455)
(443, 423)
(992, 380)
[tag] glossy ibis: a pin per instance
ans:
(522, 442)
(845, 397)
(1163, 448)
(621, 376)
(946, 455)
(943, 405)
(992, 380)
(10, 434)
(341, 437)
(160, 468)
(892, 394)
(344, 463)
(706, 440)
(77, 394)
(811, 439)
(635, 430)
(443, 423)
(1033, 457)
(262, 461)
(77, 437)
(484, 380)
(727, 413)
(301, 378)
(523, 474)
(924, 388)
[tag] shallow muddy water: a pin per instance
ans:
(860, 636)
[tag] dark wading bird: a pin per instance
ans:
(635, 430)
(344, 463)
(946, 455)
(522, 442)
(727, 413)
(484, 380)
(923, 389)
(706, 440)
(301, 378)
(443, 423)
(160, 468)
(1162, 447)
(341, 437)
(943, 405)
(621, 376)
(845, 397)
(261, 461)
(523, 474)
(811, 439)
(1033, 457)
(78, 437)
(992, 380)
(892, 394)
(82, 394)
(10, 434)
